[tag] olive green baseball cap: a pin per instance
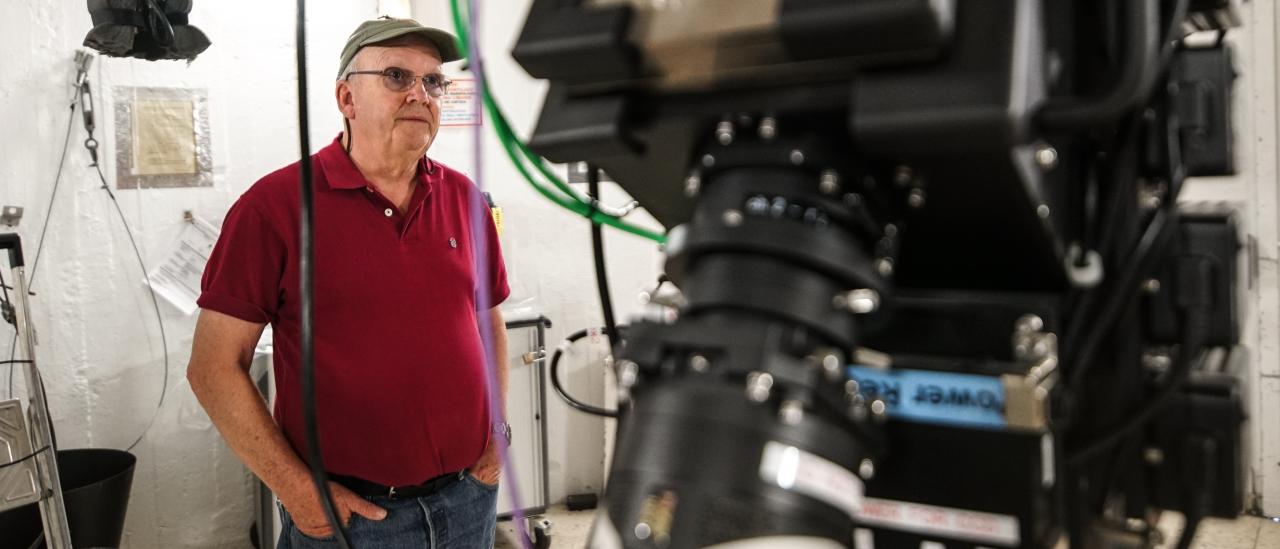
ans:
(370, 33)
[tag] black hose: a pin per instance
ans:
(555, 377)
(597, 248)
(1136, 74)
(306, 264)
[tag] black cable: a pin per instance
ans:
(305, 263)
(27, 457)
(597, 248)
(555, 379)
(1196, 328)
(53, 195)
(12, 362)
(155, 305)
(1149, 249)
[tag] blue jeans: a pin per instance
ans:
(461, 516)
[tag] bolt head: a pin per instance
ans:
(699, 363)
(1047, 157)
(866, 469)
(915, 198)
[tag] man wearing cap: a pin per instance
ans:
(408, 276)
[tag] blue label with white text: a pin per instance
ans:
(945, 398)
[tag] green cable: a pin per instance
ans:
(519, 153)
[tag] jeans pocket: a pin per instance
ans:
(472, 478)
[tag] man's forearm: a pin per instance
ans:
(499, 327)
(236, 408)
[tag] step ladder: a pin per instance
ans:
(28, 457)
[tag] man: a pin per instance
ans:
(407, 267)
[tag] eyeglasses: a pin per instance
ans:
(397, 79)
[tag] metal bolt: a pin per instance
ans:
(759, 386)
(757, 205)
(699, 363)
(903, 176)
(708, 161)
(1028, 324)
(724, 132)
(853, 200)
(891, 230)
(878, 408)
(1153, 455)
(866, 469)
(628, 373)
(1043, 211)
(1047, 157)
(1151, 286)
(851, 389)
(791, 412)
(732, 218)
(915, 198)
(829, 183)
(885, 267)
(831, 365)
(643, 531)
(692, 184)
(858, 302)
(768, 128)
(797, 157)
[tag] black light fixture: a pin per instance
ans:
(146, 29)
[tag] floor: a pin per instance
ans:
(569, 529)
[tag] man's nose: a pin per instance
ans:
(418, 92)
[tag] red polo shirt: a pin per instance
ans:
(399, 360)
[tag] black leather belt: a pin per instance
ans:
(368, 489)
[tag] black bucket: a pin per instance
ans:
(95, 487)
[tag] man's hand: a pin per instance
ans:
(489, 469)
(308, 514)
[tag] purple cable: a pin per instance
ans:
(484, 301)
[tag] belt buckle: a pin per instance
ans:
(391, 492)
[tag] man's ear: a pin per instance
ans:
(345, 98)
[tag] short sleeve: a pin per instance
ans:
(495, 268)
(243, 275)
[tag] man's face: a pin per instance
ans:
(399, 120)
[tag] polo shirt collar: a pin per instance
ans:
(341, 173)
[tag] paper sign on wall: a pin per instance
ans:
(177, 279)
(461, 106)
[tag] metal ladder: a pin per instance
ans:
(28, 458)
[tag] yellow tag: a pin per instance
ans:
(497, 218)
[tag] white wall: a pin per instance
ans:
(99, 344)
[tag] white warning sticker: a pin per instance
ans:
(961, 524)
(794, 469)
